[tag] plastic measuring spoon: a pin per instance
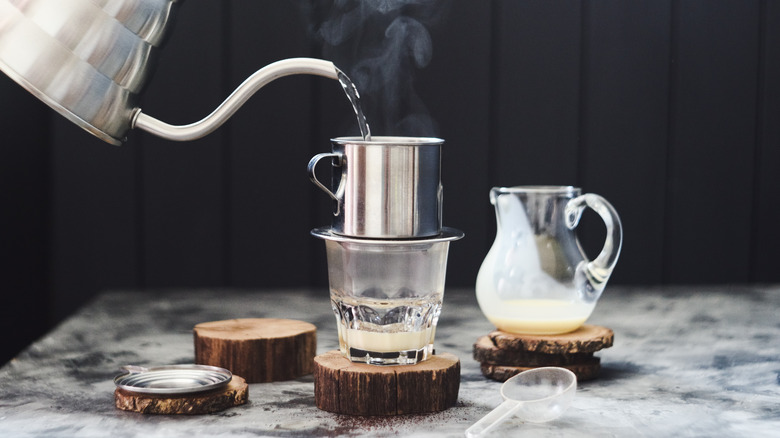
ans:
(536, 395)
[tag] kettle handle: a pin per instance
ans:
(338, 161)
(598, 270)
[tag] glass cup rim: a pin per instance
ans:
(447, 235)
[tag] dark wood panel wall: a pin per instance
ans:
(669, 109)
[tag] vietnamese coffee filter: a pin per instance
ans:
(384, 188)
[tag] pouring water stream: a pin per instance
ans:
(354, 99)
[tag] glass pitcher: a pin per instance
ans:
(536, 279)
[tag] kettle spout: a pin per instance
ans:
(247, 89)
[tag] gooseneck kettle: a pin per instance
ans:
(90, 59)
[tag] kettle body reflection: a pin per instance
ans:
(536, 279)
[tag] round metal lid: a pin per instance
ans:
(172, 379)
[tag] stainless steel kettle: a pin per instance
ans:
(89, 60)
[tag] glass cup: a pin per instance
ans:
(386, 295)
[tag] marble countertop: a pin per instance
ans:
(701, 361)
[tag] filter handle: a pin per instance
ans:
(338, 161)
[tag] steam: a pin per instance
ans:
(380, 45)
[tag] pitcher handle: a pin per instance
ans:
(338, 161)
(598, 271)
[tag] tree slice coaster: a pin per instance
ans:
(586, 339)
(235, 393)
(486, 352)
(346, 387)
(587, 371)
(260, 349)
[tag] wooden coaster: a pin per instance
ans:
(486, 352)
(586, 339)
(502, 355)
(260, 349)
(235, 393)
(346, 387)
(587, 371)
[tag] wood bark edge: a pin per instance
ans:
(586, 339)
(259, 349)
(344, 387)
